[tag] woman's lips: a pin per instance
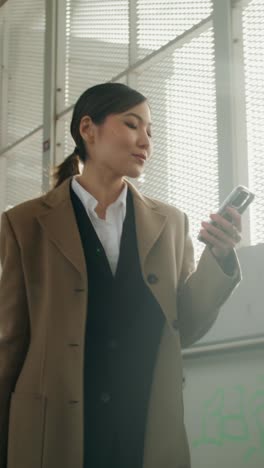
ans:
(142, 157)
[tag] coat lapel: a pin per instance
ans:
(59, 223)
(149, 223)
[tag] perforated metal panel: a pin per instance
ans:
(25, 66)
(161, 21)
(23, 44)
(97, 38)
(184, 169)
(24, 171)
(253, 35)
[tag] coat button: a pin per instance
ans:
(105, 397)
(175, 324)
(152, 279)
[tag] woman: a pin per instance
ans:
(97, 290)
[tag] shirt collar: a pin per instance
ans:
(90, 202)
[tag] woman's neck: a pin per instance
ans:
(104, 189)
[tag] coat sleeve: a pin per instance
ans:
(14, 325)
(202, 290)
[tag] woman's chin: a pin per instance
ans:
(134, 172)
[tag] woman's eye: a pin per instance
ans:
(130, 125)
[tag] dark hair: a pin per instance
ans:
(98, 102)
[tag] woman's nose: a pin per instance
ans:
(144, 141)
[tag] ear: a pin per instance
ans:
(87, 129)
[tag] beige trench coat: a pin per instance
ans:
(43, 308)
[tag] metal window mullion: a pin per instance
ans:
(4, 107)
(222, 22)
(133, 43)
(241, 3)
(49, 101)
(241, 175)
(208, 349)
(60, 80)
(5, 77)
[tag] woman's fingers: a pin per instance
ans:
(224, 235)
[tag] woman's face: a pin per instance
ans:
(122, 144)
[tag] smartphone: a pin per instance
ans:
(239, 199)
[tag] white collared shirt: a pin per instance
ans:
(109, 230)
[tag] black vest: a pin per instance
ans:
(124, 324)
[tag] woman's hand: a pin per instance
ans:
(225, 236)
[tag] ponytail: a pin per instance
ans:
(69, 167)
